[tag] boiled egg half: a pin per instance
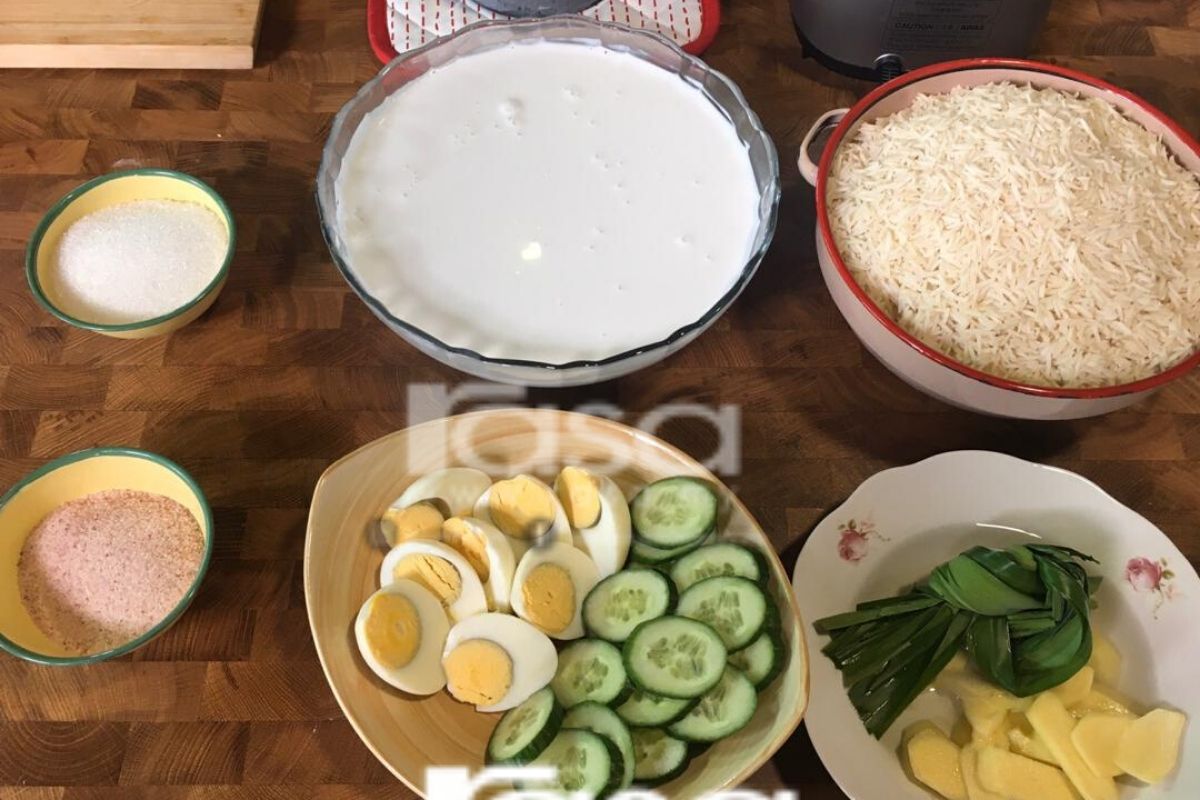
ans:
(599, 516)
(488, 552)
(548, 590)
(525, 510)
(419, 511)
(401, 632)
(440, 569)
(421, 520)
(496, 661)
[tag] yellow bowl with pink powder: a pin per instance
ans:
(72, 478)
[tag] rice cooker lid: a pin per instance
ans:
(536, 8)
(879, 39)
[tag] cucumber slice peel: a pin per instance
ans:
(525, 730)
(674, 657)
(644, 710)
(720, 558)
(737, 608)
(624, 600)
(603, 721)
(590, 670)
(642, 553)
(586, 762)
(674, 511)
(762, 660)
(723, 711)
(659, 756)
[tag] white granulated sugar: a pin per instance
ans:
(1029, 233)
(139, 260)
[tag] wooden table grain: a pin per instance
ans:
(289, 371)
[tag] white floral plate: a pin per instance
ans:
(900, 523)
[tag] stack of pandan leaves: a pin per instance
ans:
(1020, 614)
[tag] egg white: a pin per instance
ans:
(502, 563)
(560, 528)
(534, 659)
(607, 542)
(471, 600)
(578, 565)
(457, 487)
(424, 674)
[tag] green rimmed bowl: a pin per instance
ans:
(69, 478)
(109, 190)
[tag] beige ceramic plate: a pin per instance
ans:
(341, 569)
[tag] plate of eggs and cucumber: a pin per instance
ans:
(543, 588)
(986, 628)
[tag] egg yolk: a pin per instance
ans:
(434, 573)
(521, 507)
(549, 595)
(418, 521)
(580, 496)
(459, 534)
(393, 630)
(479, 672)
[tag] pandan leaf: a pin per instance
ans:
(874, 612)
(1060, 552)
(1008, 568)
(966, 584)
(1021, 614)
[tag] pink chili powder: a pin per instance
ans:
(102, 570)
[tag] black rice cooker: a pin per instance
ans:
(879, 39)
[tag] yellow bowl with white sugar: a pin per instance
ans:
(106, 192)
(72, 477)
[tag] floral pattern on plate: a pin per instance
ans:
(1153, 577)
(853, 543)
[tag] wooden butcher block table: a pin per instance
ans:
(289, 371)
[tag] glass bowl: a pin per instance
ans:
(489, 35)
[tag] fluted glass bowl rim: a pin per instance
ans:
(530, 29)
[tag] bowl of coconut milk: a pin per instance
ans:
(550, 202)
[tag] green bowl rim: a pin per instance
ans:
(95, 452)
(35, 243)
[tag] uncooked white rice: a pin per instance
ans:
(1029, 233)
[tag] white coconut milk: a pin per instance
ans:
(548, 202)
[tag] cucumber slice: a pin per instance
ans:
(722, 558)
(525, 730)
(723, 711)
(674, 657)
(624, 600)
(674, 512)
(645, 710)
(642, 553)
(586, 762)
(762, 660)
(603, 721)
(735, 607)
(658, 756)
(589, 670)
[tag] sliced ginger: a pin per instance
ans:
(1096, 737)
(1067, 743)
(1017, 777)
(1053, 723)
(1149, 747)
(969, 761)
(934, 761)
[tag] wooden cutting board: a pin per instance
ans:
(146, 34)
